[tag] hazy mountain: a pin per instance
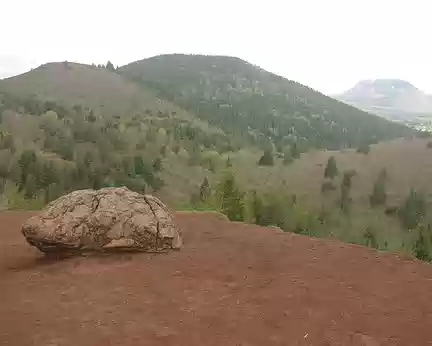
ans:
(391, 97)
(250, 102)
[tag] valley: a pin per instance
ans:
(216, 133)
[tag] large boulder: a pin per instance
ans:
(103, 220)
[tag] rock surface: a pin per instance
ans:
(103, 220)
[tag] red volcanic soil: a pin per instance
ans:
(231, 284)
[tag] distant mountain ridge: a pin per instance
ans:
(250, 105)
(249, 102)
(388, 97)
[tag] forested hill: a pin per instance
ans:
(252, 103)
(191, 129)
(97, 88)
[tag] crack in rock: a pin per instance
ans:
(89, 220)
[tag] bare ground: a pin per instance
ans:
(231, 284)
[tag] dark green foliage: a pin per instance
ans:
(347, 178)
(65, 149)
(331, 170)
(91, 117)
(267, 159)
(370, 238)
(26, 164)
(412, 210)
(157, 164)
(379, 195)
(258, 209)
(345, 198)
(231, 198)
(274, 212)
(30, 187)
(365, 149)
(423, 245)
(257, 106)
(77, 150)
(205, 191)
(391, 210)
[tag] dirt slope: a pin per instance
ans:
(232, 284)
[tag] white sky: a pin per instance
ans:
(326, 44)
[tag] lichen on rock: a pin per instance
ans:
(103, 220)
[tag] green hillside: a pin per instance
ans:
(256, 105)
(67, 126)
(99, 89)
(90, 127)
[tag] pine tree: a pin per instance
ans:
(205, 191)
(231, 198)
(110, 66)
(331, 170)
(25, 163)
(345, 200)
(30, 186)
(257, 208)
(379, 195)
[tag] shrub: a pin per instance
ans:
(331, 169)
(231, 198)
(379, 195)
(370, 238)
(365, 149)
(412, 210)
(391, 210)
(205, 191)
(422, 247)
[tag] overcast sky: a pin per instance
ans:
(328, 45)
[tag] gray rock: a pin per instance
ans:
(103, 220)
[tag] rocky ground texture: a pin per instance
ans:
(230, 284)
(103, 220)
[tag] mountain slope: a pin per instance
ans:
(72, 84)
(392, 97)
(251, 102)
(102, 128)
